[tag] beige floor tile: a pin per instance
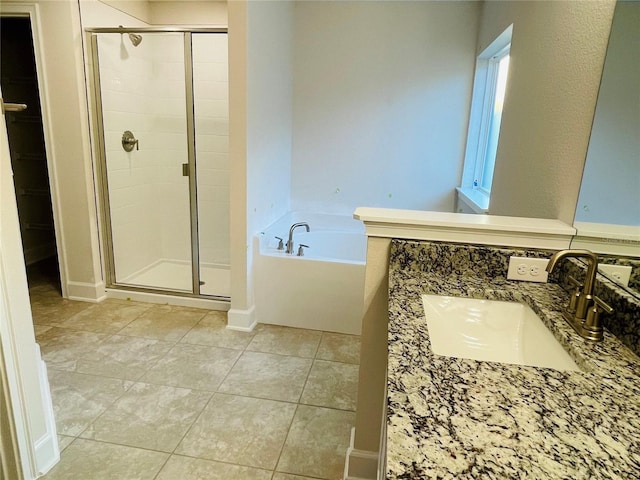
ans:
(105, 317)
(240, 430)
(88, 460)
(123, 357)
(285, 341)
(164, 322)
(338, 347)
(331, 384)
(288, 476)
(186, 468)
(79, 399)
(64, 442)
(149, 416)
(53, 310)
(317, 443)
(264, 375)
(38, 330)
(193, 366)
(212, 330)
(62, 348)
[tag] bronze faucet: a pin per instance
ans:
(583, 313)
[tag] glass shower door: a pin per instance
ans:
(144, 124)
(211, 112)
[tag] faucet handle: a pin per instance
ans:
(575, 296)
(280, 244)
(301, 249)
(592, 326)
(572, 281)
(602, 304)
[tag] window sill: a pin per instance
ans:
(475, 199)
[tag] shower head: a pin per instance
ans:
(135, 39)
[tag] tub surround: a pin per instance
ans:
(321, 290)
(452, 417)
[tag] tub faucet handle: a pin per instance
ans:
(301, 249)
(280, 244)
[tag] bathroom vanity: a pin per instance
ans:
(452, 417)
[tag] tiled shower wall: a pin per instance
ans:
(143, 91)
(211, 93)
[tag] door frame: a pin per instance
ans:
(97, 124)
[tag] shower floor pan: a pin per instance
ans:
(176, 275)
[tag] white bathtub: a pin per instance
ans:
(324, 289)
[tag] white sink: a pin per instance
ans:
(490, 330)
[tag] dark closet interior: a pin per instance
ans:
(18, 78)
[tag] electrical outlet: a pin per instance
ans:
(528, 269)
(618, 273)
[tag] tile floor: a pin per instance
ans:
(160, 392)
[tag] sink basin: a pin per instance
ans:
(490, 330)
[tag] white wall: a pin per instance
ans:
(381, 98)
(557, 53)
(26, 373)
(610, 190)
(187, 12)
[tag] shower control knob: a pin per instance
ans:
(129, 141)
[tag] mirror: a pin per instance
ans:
(607, 216)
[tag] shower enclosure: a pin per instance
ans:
(161, 104)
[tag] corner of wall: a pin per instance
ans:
(242, 320)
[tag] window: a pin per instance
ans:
(489, 87)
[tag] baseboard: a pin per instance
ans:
(47, 451)
(360, 464)
(86, 292)
(242, 320)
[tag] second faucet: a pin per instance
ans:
(290, 241)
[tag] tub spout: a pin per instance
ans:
(290, 241)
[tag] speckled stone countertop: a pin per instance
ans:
(457, 418)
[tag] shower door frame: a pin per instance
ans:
(103, 183)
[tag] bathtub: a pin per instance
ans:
(324, 289)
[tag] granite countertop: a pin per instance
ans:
(458, 418)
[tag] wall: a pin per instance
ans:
(611, 180)
(381, 103)
(188, 12)
(172, 12)
(557, 53)
(22, 367)
(261, 153)
(68, 149)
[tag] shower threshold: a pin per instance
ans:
(176, 275)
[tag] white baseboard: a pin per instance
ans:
(242, 320)
(360, 464)
(86, 292)
(47, 451)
